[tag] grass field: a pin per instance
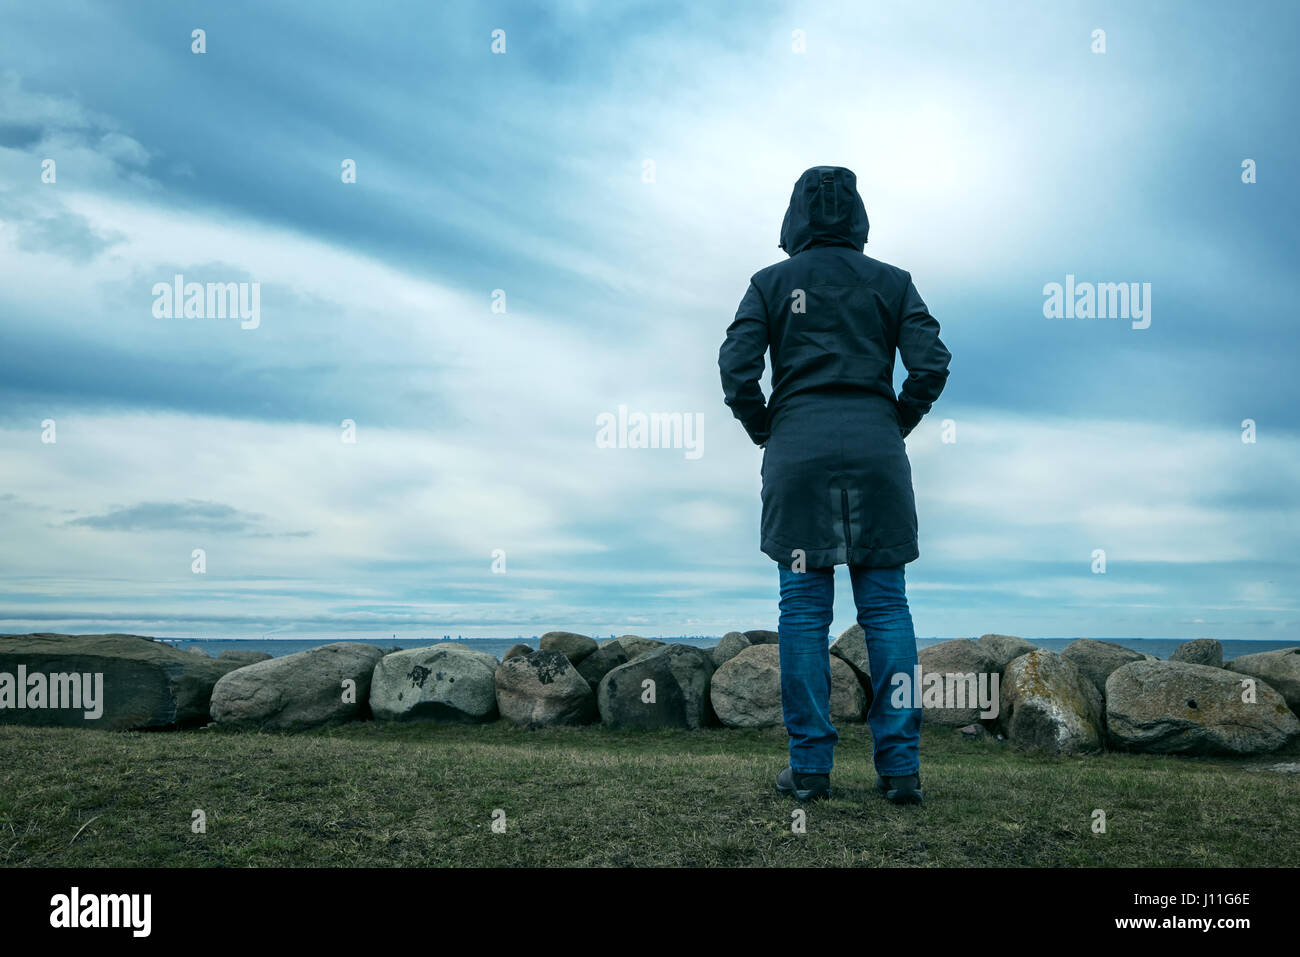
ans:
(377, 794)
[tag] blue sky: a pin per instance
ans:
(996, 153)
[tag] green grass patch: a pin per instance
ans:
(377, 794)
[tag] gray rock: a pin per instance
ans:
(543, 688)
(760, 637)
(732, 644)
(851, 648)
(1005, 648)
(1097, 659)
(1281, 669)
(605, 659)
(959, 657)
(1200, 651)
(1048, 705)
(196, 650)
(612, 653)
(241, 657)
(516, 650)
(746, 690)
(681, 690)
(1172, 707)
(445, 682)
(145, 683)
(299, 691)
(635, 645)
(849, 699)
(574, 647)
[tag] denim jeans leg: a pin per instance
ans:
(880, 595)
(807, 600)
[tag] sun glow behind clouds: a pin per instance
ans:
(476, 430)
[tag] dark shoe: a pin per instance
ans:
(900, 790)
(804, 787)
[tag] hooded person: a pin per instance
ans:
(837, 484)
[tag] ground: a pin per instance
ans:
(377, 794)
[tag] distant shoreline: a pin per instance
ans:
(277, 647)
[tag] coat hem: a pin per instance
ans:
(886, 556)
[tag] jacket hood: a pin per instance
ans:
(825, 210)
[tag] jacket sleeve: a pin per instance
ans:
(924, 356)
(740, 360)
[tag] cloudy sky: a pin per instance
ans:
(612, 179)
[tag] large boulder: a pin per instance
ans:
(1171, 707)
(968, 671)
(308, 689)
(1281, 669)
(612, 653)
(240, 657)
(1200, 651)
(732, 644)
(128, 681)
(543, 688)
(760, 637)
(1048, 705)
(574, 647)
(446, 682)
(849, 699)
(1005, 648)
(605, 659)
(746, 690)
(515, 650)
(851, 648)
(635, 645)
(680, 690)
(1097, 659)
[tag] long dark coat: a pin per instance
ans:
(837, 485)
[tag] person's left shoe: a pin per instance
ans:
(804, 787)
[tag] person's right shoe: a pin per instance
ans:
(900, 790)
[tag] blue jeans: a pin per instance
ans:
(806, 604)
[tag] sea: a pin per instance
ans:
(276, 647)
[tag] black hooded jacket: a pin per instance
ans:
(833, 319)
